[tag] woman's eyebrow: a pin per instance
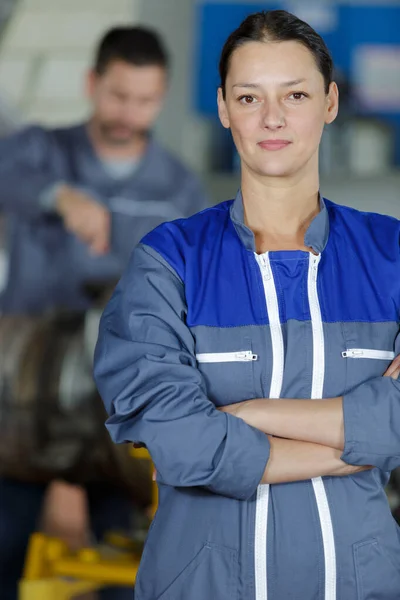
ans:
(246, 85)
(293, 82)
(283, 84)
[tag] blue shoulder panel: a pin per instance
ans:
(360, 267)
(219, 275)
(359, 273)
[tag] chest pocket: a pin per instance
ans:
(369, 348)
(227, 363)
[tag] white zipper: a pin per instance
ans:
(274, 324)
(224, 357)
(261, 524)
(316, 393)
(368, 353)
(318, 372)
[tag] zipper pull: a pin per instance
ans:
(352, 353)
(314, 267)
(266, 271)
(246, 356)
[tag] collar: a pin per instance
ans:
(316, 236)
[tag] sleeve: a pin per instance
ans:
(48, 197)
(192, 197)
(128, 229)
(372, 424)
(25, 177)
(145, 370)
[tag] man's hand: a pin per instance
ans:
(84, 217)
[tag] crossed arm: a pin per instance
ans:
(312, 431)
(155, 396)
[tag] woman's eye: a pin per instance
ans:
(298, 95)
(247, 99)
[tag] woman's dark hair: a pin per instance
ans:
(135, 45)
(276, 26)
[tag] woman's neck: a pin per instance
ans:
(278, 212)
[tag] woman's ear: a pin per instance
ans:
(332, 103)
(222, 110)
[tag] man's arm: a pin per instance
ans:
(30, 188)
(128, 227)
(84, 217)
(25, 177)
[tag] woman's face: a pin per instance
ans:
(276, 107)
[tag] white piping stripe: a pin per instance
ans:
(316, 392)
(160, 209)
(261, 525)
(317, 330)
(275, 326)
(368, 353)
(260, 542)
(223, 357)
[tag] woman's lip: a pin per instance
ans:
(274, 144)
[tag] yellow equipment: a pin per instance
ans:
(53, 572)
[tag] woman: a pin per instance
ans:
(279, 294)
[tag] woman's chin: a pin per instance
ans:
(275, 171)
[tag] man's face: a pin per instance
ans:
(126, 100)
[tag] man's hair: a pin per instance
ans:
(135, 45)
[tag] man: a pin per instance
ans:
(77, 201)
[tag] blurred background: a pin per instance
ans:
(46, 48)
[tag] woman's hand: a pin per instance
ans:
(394, 369)
(237, 409)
